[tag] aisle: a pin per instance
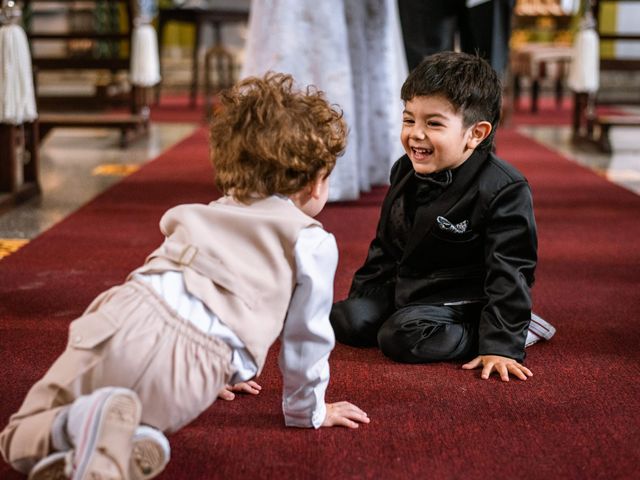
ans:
(576, 418)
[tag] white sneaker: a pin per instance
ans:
(103, 443)
(53, 467)
(150, 455)
(539, 329)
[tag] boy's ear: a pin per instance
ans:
(479, 131)
(316, 187)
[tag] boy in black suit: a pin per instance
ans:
(449, 273)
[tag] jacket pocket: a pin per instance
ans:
(451, 237)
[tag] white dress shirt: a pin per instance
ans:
(306, 339)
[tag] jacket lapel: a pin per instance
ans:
(426, 215)
(395, 190)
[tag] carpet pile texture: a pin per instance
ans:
(578, 417)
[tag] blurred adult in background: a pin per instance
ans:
(482, 26)
(352, 50)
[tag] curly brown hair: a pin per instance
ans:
(268, 138)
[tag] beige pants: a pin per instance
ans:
(128, 337)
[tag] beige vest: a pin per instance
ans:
(238, 259)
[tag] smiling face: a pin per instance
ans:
(434, 136)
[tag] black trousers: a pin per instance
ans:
(412, 334)
(429, 26)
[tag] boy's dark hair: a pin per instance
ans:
(467, 81)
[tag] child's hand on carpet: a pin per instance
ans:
(243, 387)
(344, 414)
(501, 365)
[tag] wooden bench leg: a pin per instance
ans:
(32, 142)
(18, 171)
(517, 90)
(124, 137)
(604, 141)
(535, 94)
(559, 92)
(578, 115)
(7, 159)
(591, 123)
(44, 130)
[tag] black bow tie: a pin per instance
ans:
(443, 178)
(428, 187)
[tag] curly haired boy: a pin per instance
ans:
(232, 276)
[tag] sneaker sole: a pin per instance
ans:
(106, 441)
(148, 459)
(541, 328)
(51, 467)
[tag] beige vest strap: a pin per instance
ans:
(207, 266)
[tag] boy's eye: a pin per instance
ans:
(433, 123)
(407, 120)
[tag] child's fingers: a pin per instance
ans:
(345, 414)
(360, 417)
(355, 414)
(253, 384)
(503, 371)
(528, 372)
(346, 409)
(226, 394)
(345, 422)
(486, 370)
(502, 366)
(351, 419)
(246, 387)
(350, 407)
(475, 363)
(519, 371)
(252, 387)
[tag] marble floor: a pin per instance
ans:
(78, 164)
(622, 166)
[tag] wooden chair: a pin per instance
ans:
(589, 125)
(82, 110)
(219, 74)
(538, 62)
(19, 161)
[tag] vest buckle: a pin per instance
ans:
(188, 254)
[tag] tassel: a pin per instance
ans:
(17, 97)
(145, 62)
(570, 7)
(584, 72)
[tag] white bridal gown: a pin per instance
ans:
(352, 50)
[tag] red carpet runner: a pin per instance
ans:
(576, 418)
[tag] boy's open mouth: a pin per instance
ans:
(421, 152)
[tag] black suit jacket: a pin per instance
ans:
(492, 260)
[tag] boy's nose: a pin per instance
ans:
(418, 133)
